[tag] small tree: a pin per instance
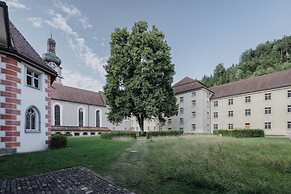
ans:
(139, 75)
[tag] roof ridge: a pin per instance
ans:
(77, 88)
(177, 84)
(250, 78)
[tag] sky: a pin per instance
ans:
(201, 33)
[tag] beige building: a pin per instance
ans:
(262, 102)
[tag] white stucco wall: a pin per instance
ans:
(69, 115)
(32, 97)
(257, 119)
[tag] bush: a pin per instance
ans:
(240, 133)
(113, 134)
(164, 133)
(58, 141)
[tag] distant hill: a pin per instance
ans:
(268, 57)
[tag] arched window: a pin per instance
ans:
(57, 115)
(97, 118)
(81, 117)
(32, 120)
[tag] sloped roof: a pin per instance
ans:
(19, 47)
(264, 82)
(71, 94)
(187, 84)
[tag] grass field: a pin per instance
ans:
(186, 164)
(92, 152)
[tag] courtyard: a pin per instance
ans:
(185, 164)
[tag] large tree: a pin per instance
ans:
(139, 75)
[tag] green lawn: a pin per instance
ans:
(91, 152)
(206, 164)
(186, 164)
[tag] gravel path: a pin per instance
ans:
(70, 180)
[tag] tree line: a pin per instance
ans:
(268, 57)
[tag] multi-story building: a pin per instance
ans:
(193, 116)
(25, 92)
(262, 102)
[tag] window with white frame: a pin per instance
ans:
(289, 93)
(193, 127)
(268, 125)
(247, 99)
(181, 110)
(181, 121)
(215, 115)
(193, 102)
(268, 96)
(32, 120)
(230, 113)
(193, 93)
(230, 126)
(268, 110)
(194, 114)
(81, 117)
(32, 78)
(57, 114)
(215, 103)
(289, 125)
(215, 126)
(230, 101)
(247, 112)
(181, 99)
(289, 108)
(98, 118)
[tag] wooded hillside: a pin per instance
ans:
(267, 58)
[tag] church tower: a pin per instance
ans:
(52, 59)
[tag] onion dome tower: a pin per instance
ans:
(52, 59)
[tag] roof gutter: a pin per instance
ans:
(36, 65)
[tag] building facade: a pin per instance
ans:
(262, 102)
(25, 92)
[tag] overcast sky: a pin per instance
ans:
(201, 33)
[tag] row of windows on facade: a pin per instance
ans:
(182, 98)
(57, 116)
(268, 110)
(268, 96)
(268, 125)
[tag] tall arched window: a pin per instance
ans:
(57, 115)
(81, 117)
(97, 118)
(32, 119)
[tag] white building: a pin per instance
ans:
(262, 102)
(25, 92)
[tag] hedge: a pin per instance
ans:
(240, 133)
(113, 134)
(58, 141)
(163, 133)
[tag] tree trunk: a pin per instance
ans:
(140, 120)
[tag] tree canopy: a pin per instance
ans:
(267, 58)
(139, 75)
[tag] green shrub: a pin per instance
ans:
(113, 134)
(164, 133)
(240, 133)
(58, 141)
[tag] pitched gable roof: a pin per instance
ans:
(187, 84)
(71, 94)
(264, 82)
(20, 48)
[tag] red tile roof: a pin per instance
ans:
(264, 82)
(71, 94)
(187, 84)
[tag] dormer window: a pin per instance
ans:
(32, 78)
(3, 25)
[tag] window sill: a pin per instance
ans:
(32, 87)
(31, 131)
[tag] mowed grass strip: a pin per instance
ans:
(92, 152)
(206, 164)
